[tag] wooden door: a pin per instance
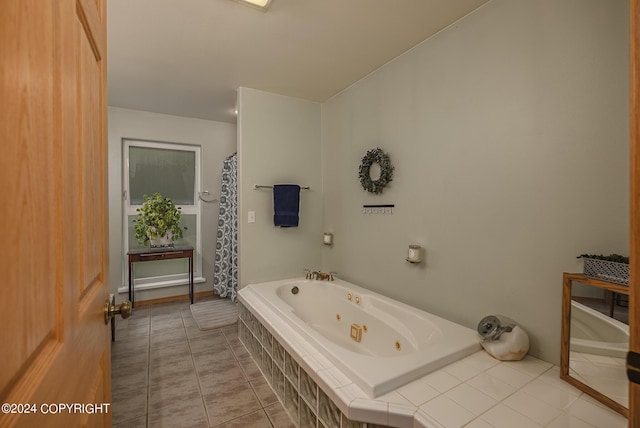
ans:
(53, 170)
(634, 259)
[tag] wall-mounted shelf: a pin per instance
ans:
(378, 209)
(262, 186)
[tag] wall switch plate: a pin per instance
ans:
(251, 217)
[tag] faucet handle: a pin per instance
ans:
(307, 273)
(331, 275)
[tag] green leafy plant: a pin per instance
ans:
(610, 258)
(157, 216)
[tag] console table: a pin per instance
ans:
(163, 253)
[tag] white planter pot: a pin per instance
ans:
(162, 241)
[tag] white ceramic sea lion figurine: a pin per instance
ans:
(510, 346)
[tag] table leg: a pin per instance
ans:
(131, 291)
(612, 305)
(191, 279)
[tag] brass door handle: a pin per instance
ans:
(110, 311)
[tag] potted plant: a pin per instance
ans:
(613, 268)
(158, 221)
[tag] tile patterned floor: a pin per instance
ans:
(168, 373)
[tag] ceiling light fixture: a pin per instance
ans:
(258, 4)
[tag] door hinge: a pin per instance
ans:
(124, 195)
(633, 367)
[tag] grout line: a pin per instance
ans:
(195, 369)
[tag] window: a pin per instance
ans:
(174, 171)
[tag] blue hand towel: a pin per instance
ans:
(286, 202)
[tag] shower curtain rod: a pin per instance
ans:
(260, 186)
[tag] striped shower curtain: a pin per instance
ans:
(225, 276)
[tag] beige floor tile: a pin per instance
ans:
(138, 316)
(234, 341)
(171, 370)
(212, 382)
(168, 338)
(194, 332)
(240, 352)
(278, 416)
(214, 362)
(135, 359)
(180, 389)
(231, 403)
(188, 320)
(263, 391)
(131, 331)
(129, 405)
(230, 330)
(250, 369)
(166, 318)
(139, 422)
(218, 356)
(124, 347)
(245, 359)
(123, 383)
(208, 344)
(256, 419)
(186, 313)
(128, 374)
(180, 413)
(174, 352)
(165, 325)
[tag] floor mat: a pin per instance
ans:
(214, 313)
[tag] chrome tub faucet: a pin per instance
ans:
(319, 275)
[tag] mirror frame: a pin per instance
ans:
(567, 280)
(634, 233)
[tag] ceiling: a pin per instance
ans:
(188, 57)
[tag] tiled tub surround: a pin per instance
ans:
(308, 405)
(477, 391)
(379, 343)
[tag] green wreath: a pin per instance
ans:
(386, 170)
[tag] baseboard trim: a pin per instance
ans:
(172, 298)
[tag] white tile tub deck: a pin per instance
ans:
(477, 391)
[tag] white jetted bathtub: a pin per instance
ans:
(595, 333)
(381, 344)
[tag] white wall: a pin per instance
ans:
(217, 140)
(278, 143)
(509, 134)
